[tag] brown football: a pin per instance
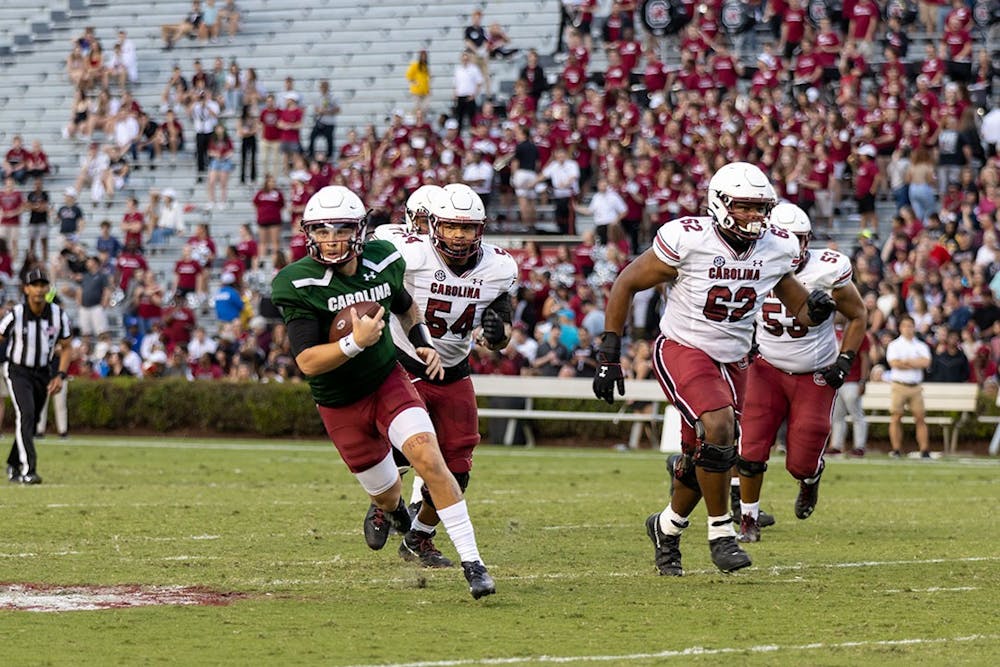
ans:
(342, 324)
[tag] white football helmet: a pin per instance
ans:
(457, 203)
(418, 206)
(793, 220)
(744, 186)
(335, 207)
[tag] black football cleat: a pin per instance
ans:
(764, 519)
(667, 548)
(480, 582)
(11, 472)
(418, 546)
(808, 496)
(727, 554)
(749, 529)
(30, 478)
(379, 523)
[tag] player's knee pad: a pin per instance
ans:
(380, 477)
(751, 468)
(684, 472)
(463, 480)
(426, 493)
(715, 458)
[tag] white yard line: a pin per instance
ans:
(687, 652)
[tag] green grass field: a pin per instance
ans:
(898, 566)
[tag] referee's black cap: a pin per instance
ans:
(36, 275)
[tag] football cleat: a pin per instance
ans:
(808, 496)
(667, 548)
(480, 581)
(378, 524)
(749, 529)
(30, 478)
(11, 472)
(764, 519)
(418, 546)
(858, 453)
(727, 554)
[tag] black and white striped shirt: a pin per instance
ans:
(30, 339)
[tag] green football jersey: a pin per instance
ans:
(309, 290)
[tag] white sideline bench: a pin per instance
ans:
(941, 400)
(530, 388)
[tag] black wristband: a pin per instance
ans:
(610, 349)
(847, 354)
(420, 335)
(61, 375)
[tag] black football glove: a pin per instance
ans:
(609, 368)
(820, 306)
(835, 373)
(493, 329)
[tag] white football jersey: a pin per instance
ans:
(786, 343)
(718, 291)
(452, 304)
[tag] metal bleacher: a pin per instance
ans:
(363, 50)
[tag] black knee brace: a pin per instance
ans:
(463, 483)
(751, 468)
(715, 458)
(683, 472)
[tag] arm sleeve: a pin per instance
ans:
(303, 334)
(501, 306)
(401, 301)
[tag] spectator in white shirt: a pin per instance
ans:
(607, 207)
(129, 57)
(909, 357)
(564, 175)
(478, 175)
(468, 82)
(126, 132)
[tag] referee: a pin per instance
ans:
(32, 332)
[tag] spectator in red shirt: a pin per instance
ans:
(220, 165)
(959, 44)
(246, 248)
(128, 262)
(233, 263)
(11, 205)
(133, 222)
(864, 21)
(629, 49)
(616, 76)
(270, 137)
(15, 163)
(37, 161)
(793, 27)
(178, 323)
(269, 203)
(574, 76)
(866, 182)
(186, 273)
(289, 123)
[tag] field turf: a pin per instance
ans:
(898, 566)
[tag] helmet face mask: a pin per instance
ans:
(793, 220)
(418, 206)
(457, 205)
(335, 223)
(740, 199)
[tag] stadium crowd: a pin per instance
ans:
(842, 114)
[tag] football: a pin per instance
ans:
(342, 324)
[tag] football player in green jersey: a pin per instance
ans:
(364, 397)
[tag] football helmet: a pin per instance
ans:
(740, 199)
(793, 220)
(335, 207)
(418, 206)
(457, 203)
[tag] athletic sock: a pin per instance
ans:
(720, 526)
(734, 481)
(672, 523)
(416, 495)
(458, 525)
(753, 509)
(417, 524)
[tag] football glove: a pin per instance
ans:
(820, 306)
(609, 369)
(835, 373)
(493, 329)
